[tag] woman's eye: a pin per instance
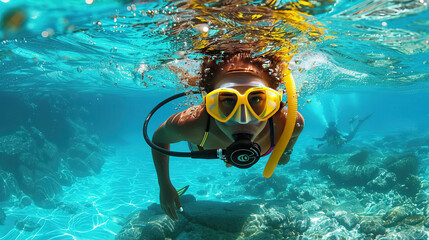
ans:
(228, 101)
(255, 99)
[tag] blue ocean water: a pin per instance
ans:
(78, 73)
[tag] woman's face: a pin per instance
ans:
(241, 83)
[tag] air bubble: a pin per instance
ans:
(202, 28)
(180, 53)
(47, 33)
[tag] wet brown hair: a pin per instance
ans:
(215, 66)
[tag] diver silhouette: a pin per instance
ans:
(334, 137)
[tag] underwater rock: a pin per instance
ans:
(359, 158)
(41, 186)
(403, 165)
(8, 186)
(79, 167)
(322, 225)
(195, 232)
(254, 225)
(354, 175)
(27, 225)
(260, 236)
(91, 142)
(65, 176)
(426, 210)
(426, 214)
(348, 220)
(406, 234)
(216, 220)
(413, 219)
(421, 199)
(294, 193)
(187, 198)
(411, 186)
(423, 150)
(143, 225)
(2, 216)
(426, 222)
(78, 150)
(17, 143)
(47, 190)
(300, 224)
(344, 175)
(418, 142)
(95, 160)
(4, 193)
(372, 226)
(301, 194)
(311, 206)
(215, 214)
(383, 183)
(49, 155)
(275, 218)
(285, 218)
(395, 215)
(259, 186)
(24, 202)
(339, 234)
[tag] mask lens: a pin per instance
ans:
(264, 103)
(227, 102)
(257, 101)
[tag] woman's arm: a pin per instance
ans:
(299, 126)
(166, 134)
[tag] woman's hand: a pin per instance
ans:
(284, 159)
(169, 200)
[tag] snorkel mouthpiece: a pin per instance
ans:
(243, 153)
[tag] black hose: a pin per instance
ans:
(208, 154)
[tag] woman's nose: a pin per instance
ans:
(242, 115)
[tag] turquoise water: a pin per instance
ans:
(76, 69)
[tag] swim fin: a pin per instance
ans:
(182, 190)
(365, 118)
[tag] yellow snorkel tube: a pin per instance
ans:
(280, 147)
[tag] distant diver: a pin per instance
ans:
(334, 137)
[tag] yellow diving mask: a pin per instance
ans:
(225, 104)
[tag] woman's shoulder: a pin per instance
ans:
(280, 120)
(190, 120)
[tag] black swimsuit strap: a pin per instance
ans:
(206, 133)
(208, 123)
(271, 131)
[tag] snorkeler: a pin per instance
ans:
(241, 115)
(335, 137)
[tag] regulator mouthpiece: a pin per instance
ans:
(243, 153)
